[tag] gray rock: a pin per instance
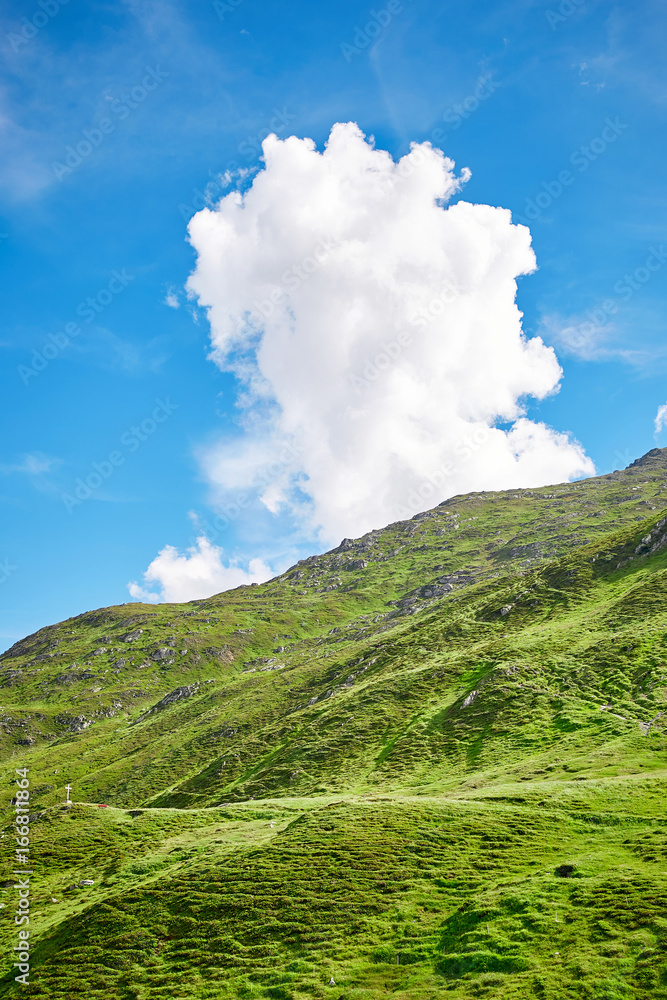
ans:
(222, 653)
(161, 654)
(176, 695)
(73, 677)
(75, 723)
(132, 636)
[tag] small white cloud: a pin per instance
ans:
(661, 418)
(171, 299)
(199, 572)
(139, 594)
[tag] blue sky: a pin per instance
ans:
(558, 109)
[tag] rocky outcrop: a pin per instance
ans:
(162, 654)
(221, 653)
(74, 723)
(132, 636)
(178, 694)
(71, 677)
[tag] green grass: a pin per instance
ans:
(388, 798)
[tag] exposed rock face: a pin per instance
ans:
(651, 457)
(222, 653)
(176, 695)
(132, 636)
(73, 676)
(161, 654)
(410, 603)
(75, 723)
(654, 541)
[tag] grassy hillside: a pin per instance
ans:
(429, 762)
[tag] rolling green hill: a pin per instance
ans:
(430, 762)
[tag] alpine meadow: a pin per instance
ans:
(430, 762)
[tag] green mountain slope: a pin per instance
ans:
(429, 762)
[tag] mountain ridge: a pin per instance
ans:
(476, 692)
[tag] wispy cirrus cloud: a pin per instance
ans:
(33, 464)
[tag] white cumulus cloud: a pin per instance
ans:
(375, 328)
(200, 572)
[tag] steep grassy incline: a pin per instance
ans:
(444, 775)
(86, 676)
